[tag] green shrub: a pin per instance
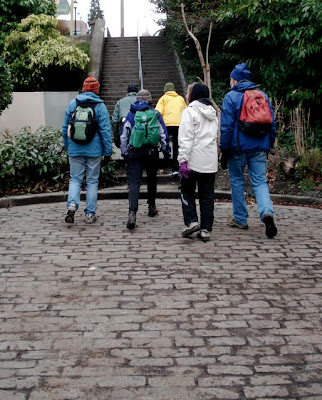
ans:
(37, 54)
(6, 85)
(32, 161)
(310, 165)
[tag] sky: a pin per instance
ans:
(139, 15)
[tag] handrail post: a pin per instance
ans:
(140, 58)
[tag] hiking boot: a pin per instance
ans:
(131, 220)
(203, 235)
(234, 224)
(70, 213)
(271, 229)
(153, 211)
(190, 229)
(90, 218)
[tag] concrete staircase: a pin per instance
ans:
(120, 66)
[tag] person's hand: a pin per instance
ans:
(224, 159)
(184, 169)
(106, 159)
(117, 142)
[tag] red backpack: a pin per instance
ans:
(255, 117)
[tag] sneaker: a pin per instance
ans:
(174, 173)
(131, 220)
(271, 229)
(190, 229)
(203, 235)
(70, 213)
(153, 211)
(234, 224)
(90, 218)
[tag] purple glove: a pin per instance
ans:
(184, 169)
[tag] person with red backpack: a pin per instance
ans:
(247, 135)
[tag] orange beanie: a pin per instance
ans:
(91, 85)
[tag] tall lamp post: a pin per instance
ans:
(122, 18)
(75, 18)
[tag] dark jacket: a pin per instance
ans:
(230, 132)
(141, 105)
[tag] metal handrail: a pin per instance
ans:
(140, 60)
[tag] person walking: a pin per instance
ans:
(86, 155)
(121, 109)
(142, 132)
(170, 106)
(240, 149)
(198, 159)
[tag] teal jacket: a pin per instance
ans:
(101, 144)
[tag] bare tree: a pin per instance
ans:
(204, 64)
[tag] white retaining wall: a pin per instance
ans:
(35, 109)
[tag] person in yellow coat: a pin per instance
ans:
(170, 106)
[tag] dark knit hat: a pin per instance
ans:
(91, 84)
(169, 87)
(144, 95)
(199, 92)
(240, 72)
(132, 88)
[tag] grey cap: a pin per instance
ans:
(144, 95)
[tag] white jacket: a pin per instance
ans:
(198, 136)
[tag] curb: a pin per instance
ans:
(121, 192)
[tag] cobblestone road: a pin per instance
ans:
(99, 312)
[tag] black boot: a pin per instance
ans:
(131, 220)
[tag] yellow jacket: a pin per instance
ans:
(171, 105)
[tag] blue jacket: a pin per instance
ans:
(101, 144)
(230, 112)
(141, 105)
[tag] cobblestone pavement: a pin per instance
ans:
(99, 312)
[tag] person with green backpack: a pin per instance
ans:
(87, 138)
(143, 131)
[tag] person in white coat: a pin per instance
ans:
(198, 159)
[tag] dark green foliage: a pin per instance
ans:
(13, 11)
(40, 58)
(95, 11)
(32, 160)
(6, 86)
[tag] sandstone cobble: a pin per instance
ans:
(97, 312)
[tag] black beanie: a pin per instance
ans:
(132, 88)
(199, 92)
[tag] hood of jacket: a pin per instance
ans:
(171, 93)
(139, 105)
(244, 85)
(207, 112)
(89, 97)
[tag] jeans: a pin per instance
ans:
(256, 162)
(206, 188)
(77, 166)
(173, 131)
(140, 159)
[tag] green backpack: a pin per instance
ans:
(146, 129)
(83, 124)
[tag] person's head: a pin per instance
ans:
(239, 73)
(132, 88)
(144, 95)
(197, 91)
(91, 84)
(169, 87)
